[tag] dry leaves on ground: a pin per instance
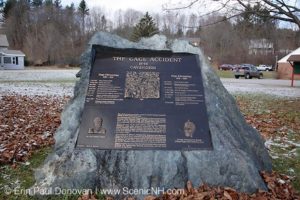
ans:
(279, 187)
(271, 117)
(26, 124)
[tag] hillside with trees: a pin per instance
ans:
(51, 34)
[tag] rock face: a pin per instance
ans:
(238, 156)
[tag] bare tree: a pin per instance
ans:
(221, 41)
(288, 11)
(119, 18)
(180, 24)
(158, 19)
(44, 31)
(278, 9)
(96, 21)
(131, 17)
(16, 23)
(170, 21)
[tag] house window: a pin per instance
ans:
(14, 60)
(7, 60)
(17, 60)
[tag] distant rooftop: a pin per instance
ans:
(294, 58)
(285, 58)
(3, 41)
(13, 52)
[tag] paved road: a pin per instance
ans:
(61, 82)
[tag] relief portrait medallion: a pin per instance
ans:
(189, 129)
(97, 128)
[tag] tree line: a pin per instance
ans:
(50, 34)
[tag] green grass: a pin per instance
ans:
(270, 75)
(24, 171)
(225, 74)
(230, 74)
(285, 113)
(288, 165)
(23, 177)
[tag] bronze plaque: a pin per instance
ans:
(144, 99)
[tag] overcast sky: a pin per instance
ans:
(142, 5)
(154, 6)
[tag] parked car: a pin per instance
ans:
(226, 67)
(235, 67)
(248, 72)
(264, 68)
(247, 65)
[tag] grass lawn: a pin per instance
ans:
(20, 176)
(278, 120)
(230, 74)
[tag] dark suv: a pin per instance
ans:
(248, 72)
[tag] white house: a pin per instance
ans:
(261, 46)
(10, 59)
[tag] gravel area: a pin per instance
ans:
(57, 82)
(38, 75)
(60, 82)
(279, 88)
(36, 88)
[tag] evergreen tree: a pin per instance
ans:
(256, 21)
(103, 23)
(179, 32)
(70, 8)
(48, 2)
(9, 4)
(145, 28)
(37, 3)
(83, 10)
(57, 3)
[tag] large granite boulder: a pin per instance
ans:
(238, 155)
